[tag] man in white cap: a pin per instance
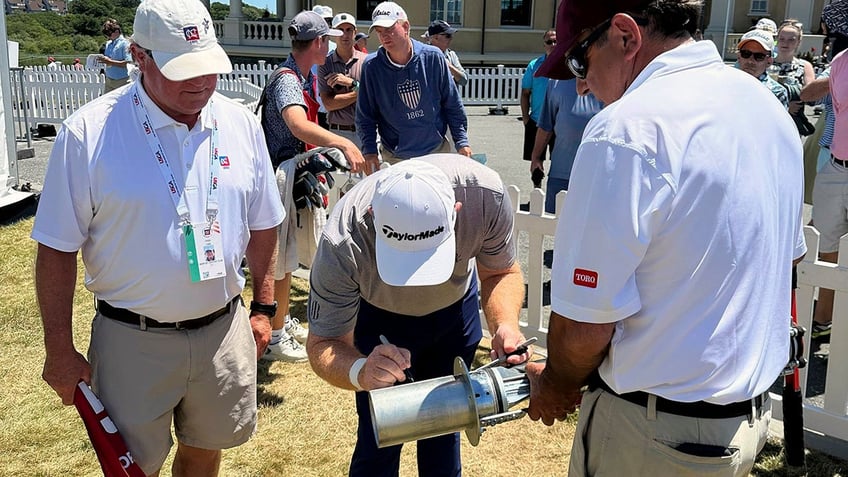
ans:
(407, 95)
(143, 181)
(397, 258)
(754, 56)
(289, 118)
(338, 80)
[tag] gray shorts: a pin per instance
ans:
(830, 205)
(204, 380)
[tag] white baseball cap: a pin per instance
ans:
(182, 38)
(344, 18)
(386, 15)
(763, 37)
(414, 216)
(323, 10)
(767, 24)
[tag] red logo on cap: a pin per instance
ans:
(585, 278)
(192, 33)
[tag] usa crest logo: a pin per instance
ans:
(225, 161)
(410, 93)
(191, 33)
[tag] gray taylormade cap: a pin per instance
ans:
(309, 26)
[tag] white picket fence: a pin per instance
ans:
(52, 95)
(829, 420)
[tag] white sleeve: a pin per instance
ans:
(615, 200)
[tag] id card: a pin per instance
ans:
(205, 251)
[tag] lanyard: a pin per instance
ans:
(174, 190)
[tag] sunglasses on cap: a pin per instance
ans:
(576, 59)
(757, 56)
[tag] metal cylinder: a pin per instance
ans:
(444, 405)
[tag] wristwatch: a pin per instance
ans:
(269, 309)
(355, 85)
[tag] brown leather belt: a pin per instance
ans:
(143, 322)
(343, 127)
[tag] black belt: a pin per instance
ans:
(143, 322)
(699, 409)
(343, 127)
(838, 162)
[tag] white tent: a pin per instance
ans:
(9, 197)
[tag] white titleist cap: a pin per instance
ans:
(182, 38)
(414, 216)
(386, 15)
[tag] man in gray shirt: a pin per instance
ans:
(398, 258)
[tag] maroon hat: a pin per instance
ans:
(573, 18)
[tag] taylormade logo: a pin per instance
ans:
(390, 233)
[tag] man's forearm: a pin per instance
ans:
(331, 358)
(575, 350)
(542, 139)
(502, 294)
(333, 102)
(261, 254)
(55, 282)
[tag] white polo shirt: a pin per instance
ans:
(684, 214)
(105, 195)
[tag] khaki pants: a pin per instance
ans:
(444, 148)
(615, 437)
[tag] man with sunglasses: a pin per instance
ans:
(532, 98)
(670, 286)
(440, 34)
(115, 57)
(755, 56)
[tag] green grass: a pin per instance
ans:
(306, 427)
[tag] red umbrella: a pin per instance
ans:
(115, 459)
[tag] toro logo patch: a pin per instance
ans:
(585, 278)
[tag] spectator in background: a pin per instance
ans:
(564, 116)
(327, 14)
(794, 71)
(754, 56)
(407, 95)
(440, 34)
(532, 97)
(51, 64)
(77, 64)
(115, 57)
(829, 200)
(338, 80)
(361, 42)
(289, 119)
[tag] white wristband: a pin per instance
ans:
(353, 374)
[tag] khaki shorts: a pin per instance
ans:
(204, 380)
(830, 205)
(444, 148)
(617, 437)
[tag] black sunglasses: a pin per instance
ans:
(550, 42)
(576, 59)
(757, 56)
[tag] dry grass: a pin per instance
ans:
(306, 427)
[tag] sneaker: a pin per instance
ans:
(296, 330)
(820, 330)
(287, 350)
